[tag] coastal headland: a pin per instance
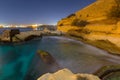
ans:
(95, 25)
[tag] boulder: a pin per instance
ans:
(13, 32)
(111, 72)
(66, 74)
(46, 57)
(6, 33)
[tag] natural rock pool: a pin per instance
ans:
(16, 60)
(71, 54)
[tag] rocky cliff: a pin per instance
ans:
(96, 11)
(93, 25)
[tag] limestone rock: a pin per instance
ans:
(109, 72)
(66, 74)
(46, 57)
(95, 12)
(6, 33)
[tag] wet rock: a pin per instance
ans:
(46, 57)
(109, 72)
(13, 32)
(66, 74)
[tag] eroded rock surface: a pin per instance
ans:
(66, 74)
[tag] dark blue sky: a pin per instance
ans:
(38, 11)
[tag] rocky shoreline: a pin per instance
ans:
(26, 36)
(102, 44)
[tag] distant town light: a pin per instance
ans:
(21, 25)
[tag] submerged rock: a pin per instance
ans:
(49, 60)
(66, 74)
(46, 57)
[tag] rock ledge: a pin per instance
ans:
(66, 74)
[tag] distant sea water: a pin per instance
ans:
(21, 29)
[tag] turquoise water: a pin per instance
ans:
(15, 59)
(17, 62)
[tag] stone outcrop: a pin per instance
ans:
(29, 35)
(66, 74)
(109, 72)
(14, 35)
(101, 29)
(7, 35)
(103, 40)
(96, 11)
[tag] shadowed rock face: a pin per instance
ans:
(31, 37)
(109, 72)
(46, 57)
(13, 32)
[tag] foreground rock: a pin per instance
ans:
(66, 74)
(109, 72)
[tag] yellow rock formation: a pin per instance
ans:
(101, 28)
(96, 11)
(66, 74)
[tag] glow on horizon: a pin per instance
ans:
(53, 23)
(24, 25)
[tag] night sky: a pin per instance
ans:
(38, 11)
